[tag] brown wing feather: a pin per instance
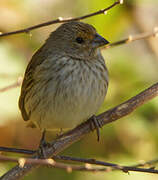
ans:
(28, 80)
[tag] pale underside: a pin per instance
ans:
(67, 96)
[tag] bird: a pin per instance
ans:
(66, 80)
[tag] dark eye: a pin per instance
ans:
(79, 40)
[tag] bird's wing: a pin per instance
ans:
(28, 80)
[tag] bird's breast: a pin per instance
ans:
(71, 92)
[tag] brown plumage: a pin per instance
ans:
(66, 80)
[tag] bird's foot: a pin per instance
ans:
(42, 145)
(95, 124)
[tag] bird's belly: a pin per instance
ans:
(67, 99)
(69, 115)
(69, 106)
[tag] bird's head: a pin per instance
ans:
(77, 39)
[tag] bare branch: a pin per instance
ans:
(144, 163)
(14, 85)
(76, 134)
(96, 162)
(70, 167)
(131, 38)
(68, 158)
(49, 163)
(16, 150)
(112, 165)
(60, 20)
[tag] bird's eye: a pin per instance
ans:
(79, 40)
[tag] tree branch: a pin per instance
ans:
(13, 85)
(17, 150)
(132, 38)
(96, 162)
(70, 167)
(73, 159)
(76, 134)
(61, 20)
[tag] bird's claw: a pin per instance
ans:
(42, 145)
(95, 124)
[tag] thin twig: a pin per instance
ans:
(70, 167)
(11, 86)
(75, 159)
(60, 20)
(112, 165)
(16, 150)
(102, 163)
(49, 163)
(132, 38)
(144, 163)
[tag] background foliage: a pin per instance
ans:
(132, 68)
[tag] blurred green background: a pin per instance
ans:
(132, 68)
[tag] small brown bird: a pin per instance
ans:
(66, 81)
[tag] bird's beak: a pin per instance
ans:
(99, 41)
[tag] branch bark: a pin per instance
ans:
(87, 166)
(80, 131)
(60, 20)
(132, 38)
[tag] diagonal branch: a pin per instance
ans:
(61, 20)
(80, 131)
